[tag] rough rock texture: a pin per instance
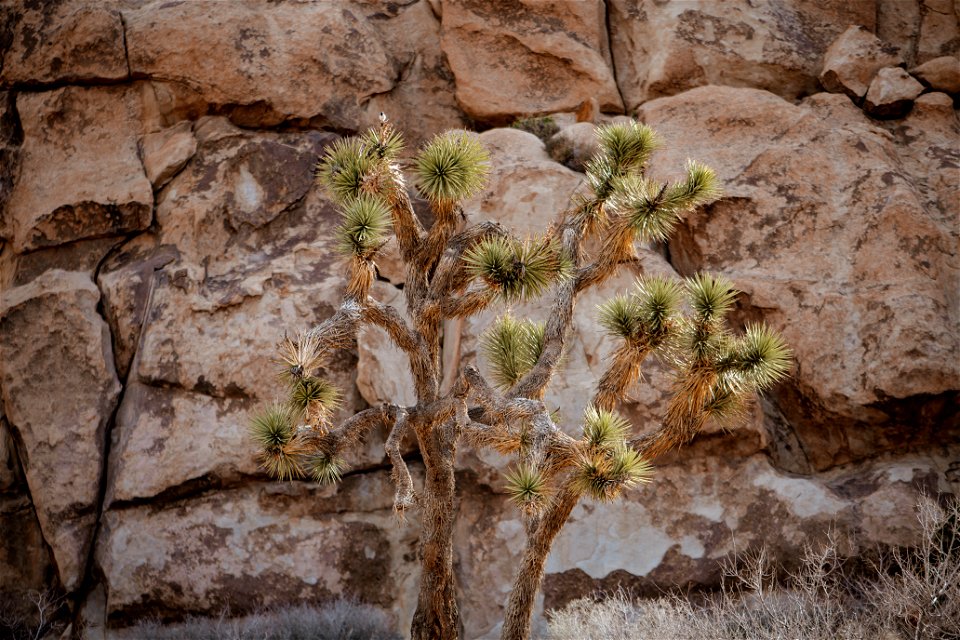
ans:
(848, 248)
(51, 327)
(663, 48)
(70, 41)
(853, 59)
(85, 175)
(528, 57)
(940, 74)
(160, 231)
(891, 93)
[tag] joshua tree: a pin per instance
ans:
(454, 271)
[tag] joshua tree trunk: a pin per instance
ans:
(437, 616)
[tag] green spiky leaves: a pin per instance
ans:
(761, 356)
(383, 143)
(604, 430)
(364, 225)
(517, 270)
(345, 167)
(710, 297)
(627, 146)
(310, 390)
(275, 433)
(527, 488)
(512, 347)
(604, 475)
(648, 316)
(700, 187)
(453, 166)
(326, 468)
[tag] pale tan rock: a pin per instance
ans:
(530, 59)
(82, 173)
(59, 391)
(383, 370)
(574, 145)
(939, 30)
(940, 74)
(848, 246)
(664, 48)
(295, 61)
(852, 61)
(891, 93)
(166, 152)
(526, 189)
(261, 545)
(65, 42)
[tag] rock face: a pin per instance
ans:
(51, 327)
(80, 147)
(525, 57)
(160, 231)
(663, 48)
(852, 273)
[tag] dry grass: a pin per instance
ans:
(909, 595)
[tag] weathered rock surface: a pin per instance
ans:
(663, 48)
(848, 248)
(261, 545)
(939, 30)
(383, 370)
(891, 93)
(940, 74)
(853, 59)
(165, 152)
(85, 176)
(72, 41)
(299, 60)
(59, 391)
(574, 145)
(528, 58)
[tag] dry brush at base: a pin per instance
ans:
(455, 271)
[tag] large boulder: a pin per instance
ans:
(664, 48)
(853, 59)
(59, 390)
(64, 42)
(850, 247)
(320, 61)
(528, 57)
(80, 174)
(891, 93)
(260, 545)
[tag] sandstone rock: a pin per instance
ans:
(11, 137)
(527, 189)
(54, 342)
(24, 560)
(261, 545)
(126, 279)
(678, 529)
(81, 174)
(166, 152)
(891, 93)
(940, 74)
(9, 465)
(383, 370)
(853, 59)
(528, 59)
(939, 30)
(65, 42)
(573, 146)
(848, 247)
(664, 48)
(898, 24)
(306, 61)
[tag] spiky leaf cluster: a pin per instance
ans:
(648, 316)
(512, 347)
(517, 270)
(604, 475)
(325, 468)
(451, 167)
(604, 430)
(760, 357)
(383, 143)
(298, 356)
(275, 433)
(627, 146)
(527, 488)
(700, 186)
(364, 225)
(345, 167)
